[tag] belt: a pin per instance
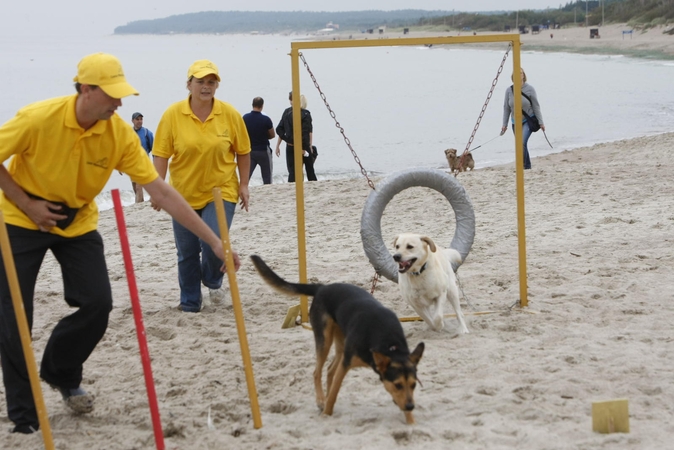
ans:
(65, 210)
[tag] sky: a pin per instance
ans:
(70, 17)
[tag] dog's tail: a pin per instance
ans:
(453, 255)
(279, 283)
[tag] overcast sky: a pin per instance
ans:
(72, 18)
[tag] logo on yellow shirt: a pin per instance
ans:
(224, 134)
(102, 163)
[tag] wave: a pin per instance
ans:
(104, 199)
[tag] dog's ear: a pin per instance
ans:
(430, 242)
(415, 356)
(381, 362)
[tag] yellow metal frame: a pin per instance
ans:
(514, 39)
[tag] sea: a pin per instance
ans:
(399, 107)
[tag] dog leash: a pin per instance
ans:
(546, 138)
(475, 148)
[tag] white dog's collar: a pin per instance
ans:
(420, 270)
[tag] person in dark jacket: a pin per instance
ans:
(284, 130)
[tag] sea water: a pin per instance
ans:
(399, 107)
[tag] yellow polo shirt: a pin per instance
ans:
(202, 154)
(54, 158)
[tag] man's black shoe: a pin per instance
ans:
(77, 399)
(26, 429)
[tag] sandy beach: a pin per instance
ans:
(600, 231)
(598, 326)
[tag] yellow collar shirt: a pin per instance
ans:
(202, 154)
(54, 158)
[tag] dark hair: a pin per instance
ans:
(78, 87)
(258, 102)
(290, 96)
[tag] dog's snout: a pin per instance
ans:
(397, 257)
(409, 406)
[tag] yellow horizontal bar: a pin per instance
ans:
(389, 42)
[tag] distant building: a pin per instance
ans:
(334, 26)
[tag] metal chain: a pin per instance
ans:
(463, 294)
(484, 108)
(337, 124)
(375, 279)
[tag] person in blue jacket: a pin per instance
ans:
(146, 140)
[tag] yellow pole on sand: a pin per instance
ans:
(299, 181)
(24, 333)
(519, 174)
(238, 311)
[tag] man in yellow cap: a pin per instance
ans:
(61, 153)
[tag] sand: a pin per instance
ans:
(599, 228)
(598, 326)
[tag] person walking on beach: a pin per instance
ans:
(61, 154)
(260, 130)
(205, 140)
(284, 130)
(146, 140)
(530, 106)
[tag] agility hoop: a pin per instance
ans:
(370, 223)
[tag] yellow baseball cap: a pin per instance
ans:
(201, 68)
(105, 71)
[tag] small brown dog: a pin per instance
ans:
(453, 160)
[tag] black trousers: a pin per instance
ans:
(86, 287)
(264, 160)
(290, 162)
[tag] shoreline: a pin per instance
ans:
(104, 199)
(647, 44)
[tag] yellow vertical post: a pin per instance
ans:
(299, 179)
(519, 170)
(24, 334)
(238, 310)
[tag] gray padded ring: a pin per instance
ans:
(370, 222)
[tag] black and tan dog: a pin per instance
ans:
(364, 332)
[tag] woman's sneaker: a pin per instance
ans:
(217, 295)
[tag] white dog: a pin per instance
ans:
(426, 278)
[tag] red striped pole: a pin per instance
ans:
(138, 318)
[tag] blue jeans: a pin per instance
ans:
(526, 134)
(196, 261)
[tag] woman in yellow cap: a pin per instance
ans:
(202, 141)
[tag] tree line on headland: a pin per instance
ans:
(275, 21)
(637, 13)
